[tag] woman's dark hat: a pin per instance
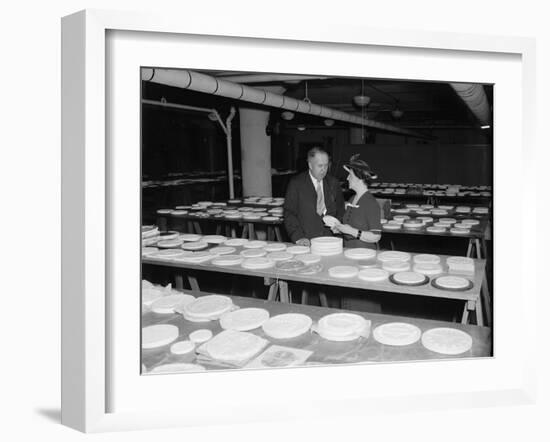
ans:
(360, 168)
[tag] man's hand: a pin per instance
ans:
(303, 242)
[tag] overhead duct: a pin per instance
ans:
(475, 98)
(198, 82)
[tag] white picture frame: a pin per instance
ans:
(93, 239)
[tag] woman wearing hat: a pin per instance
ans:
(361, 221)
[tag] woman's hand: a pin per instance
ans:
(346, 229)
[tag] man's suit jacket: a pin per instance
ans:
(300, 208)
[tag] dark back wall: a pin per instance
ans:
(469, 165)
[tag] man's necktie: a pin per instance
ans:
(320, 199)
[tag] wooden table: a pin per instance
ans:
(362, 350)
(278, 281)
(225, 226)
(477, 247)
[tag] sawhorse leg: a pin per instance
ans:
(193, 283)
(283, 292)
(278, 234)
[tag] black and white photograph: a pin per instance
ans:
(292, 220)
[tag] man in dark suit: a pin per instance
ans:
(310, 196)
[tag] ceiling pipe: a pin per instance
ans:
(475, 98)
(267, 78)
(198, 82)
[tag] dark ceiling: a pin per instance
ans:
(425, 105)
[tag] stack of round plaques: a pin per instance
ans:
(233, 346)
(425, 219)
(341, 326)
(436, 229)
(197, 257)
(446, 207)
(219, 204)
(200, 336)
(310, 269)
(257, 263)
(214, 239)
(251, 217)
(182, 348)
(291, 265)
(413, 224)
(254, 244)
(149, 231)
(401, 217)
(276, 210)
(168, 236)
(149, 241)
(308, 258)
(170, 243)
(425, 258)
(151, 294)
(396, 266)
(227, 260)
(298, 250)
(360, 253)
(343, 271)
(207, 308)
(246, 209)
(439, 212)
(373, 275)
(451, 282)
(280, 256)
(167, 254)
(470, 222)
(204, 203)
(423, 212)
(327, 246)
(447, 341)
(428, 269)
(194, 245)
(409, 278)
(397, 333)
(463, 209)
(222, 250)
(167, 304)
(270, 218)
(164, 211)
(287, 325)
(447, 221)
(233, 215)
(244, 319)
(393, 255)
(463, 226)
(236, 242)
(459, 231)
(397, 222)
(159, 335)
(275, 247)
(481, 210)
(460, 264)
(426, 206)
(190, 237)
(253, 253)
(401, 210)
(214, 211)
(389, 226)
(179, 212)
(146, 251)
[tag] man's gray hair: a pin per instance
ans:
(314, 151)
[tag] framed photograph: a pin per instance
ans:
(155, 150)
